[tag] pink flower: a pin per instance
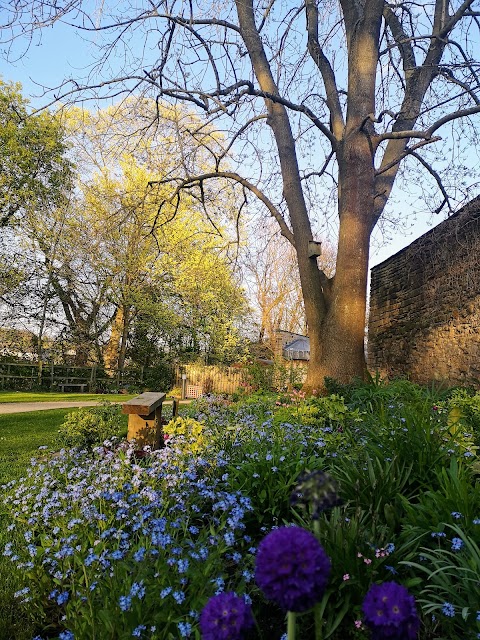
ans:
(358, 624)
(346, 577)
(367, 561)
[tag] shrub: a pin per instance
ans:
(185, 434)
(272, 377)
(463, 408)
(87, 427)
(159, 378)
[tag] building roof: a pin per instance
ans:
(299, 349)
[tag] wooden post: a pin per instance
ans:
(175, 406)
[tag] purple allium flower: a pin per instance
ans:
(292, 568)
(225, 617)
(316, 489)
(390, 612)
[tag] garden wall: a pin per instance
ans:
(425, 305)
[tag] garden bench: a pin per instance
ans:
(73, 385)
(145, 419)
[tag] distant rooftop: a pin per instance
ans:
(299, 349)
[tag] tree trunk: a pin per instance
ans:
(337, 345)
(82, 349)
(110, 356)
(123, 342)
(335, 311)
(41, 329)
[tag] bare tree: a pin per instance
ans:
(271, 275)
(334, 91)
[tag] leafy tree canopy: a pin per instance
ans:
(35, 171)
(109, 268)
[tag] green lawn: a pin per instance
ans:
(21, 435)
(46, 396)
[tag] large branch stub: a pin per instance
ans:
(314, 249)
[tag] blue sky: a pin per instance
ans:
(60, 52)
(53, 54)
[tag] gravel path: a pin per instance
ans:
(22, 407)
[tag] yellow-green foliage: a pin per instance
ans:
(330, 410)
(35, 172)
(87, 427)
(463, 411)
(187, 432)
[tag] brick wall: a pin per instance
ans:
(424, 320)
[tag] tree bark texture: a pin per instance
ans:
(110, 356)
(335, 310)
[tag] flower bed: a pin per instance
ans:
(113, 546)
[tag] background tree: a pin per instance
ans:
(35, 172)
(153, 255)
(348, 90)
(271, 272)
(96, 267)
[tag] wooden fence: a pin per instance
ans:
(24, 376)
(212, 378)
(28, 375)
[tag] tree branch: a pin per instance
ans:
(261, 116)
(428, 133)
(452, 116)
(325, 68)
(450, 77)
(438, 180)
(404, 154)
(320, 173)
(401, 40)
(230, 175)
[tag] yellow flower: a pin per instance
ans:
(190, 431)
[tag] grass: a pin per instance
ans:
(46, 396)
(21, 434)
